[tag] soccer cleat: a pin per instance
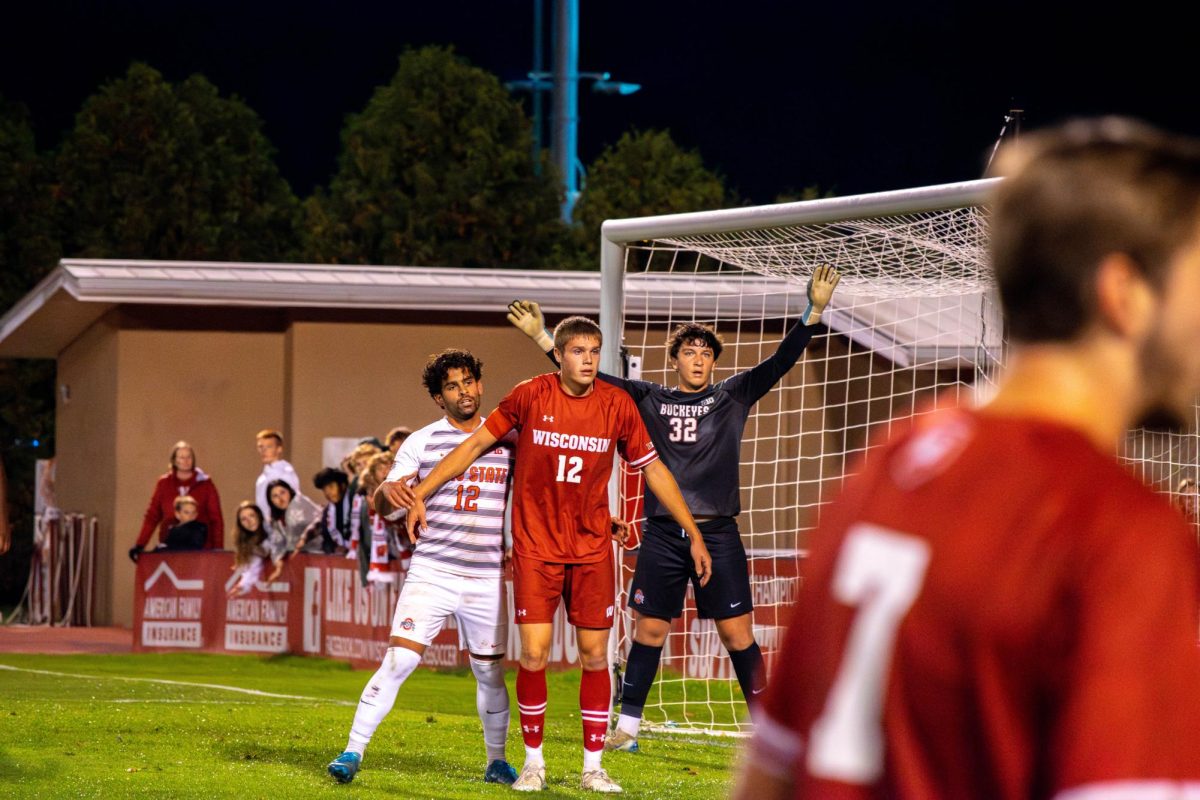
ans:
(597, 780)
(500, 771)
(532, 779)
(620, 741)
(343, 768)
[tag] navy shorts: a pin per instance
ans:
(664, 567)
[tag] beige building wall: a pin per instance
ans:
(87, 468)
(209, 388)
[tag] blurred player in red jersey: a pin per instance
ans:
(994, 607)
(569, 428)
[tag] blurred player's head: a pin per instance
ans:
(577, 342)
(186, 509)
(1095, 237)
(694, 350)
(454, 379)
(270, 445)
(332, 483)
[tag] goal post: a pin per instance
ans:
(914, 318)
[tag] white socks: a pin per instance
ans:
(491, 701)
(591, 760)
(630, 725)
(380, 695)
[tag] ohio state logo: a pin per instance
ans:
(638, 597)
(408, 624)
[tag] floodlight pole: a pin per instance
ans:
(563, 81)
(565, 124)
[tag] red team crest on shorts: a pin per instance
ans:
(638, 597)
(408, 624)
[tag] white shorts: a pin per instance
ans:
(479, 605)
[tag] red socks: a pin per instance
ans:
(595, 689)
(531, 702)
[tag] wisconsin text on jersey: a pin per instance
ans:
(565, 441)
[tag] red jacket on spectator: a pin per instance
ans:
(161, 511)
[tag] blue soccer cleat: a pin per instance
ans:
(500, 771)
(343, 768)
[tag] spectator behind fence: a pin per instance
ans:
(188, 532)
(377, 540)
(356, 462)
(270, 449)
(291, 514)
(250, 554)
(182, 478)
(396, 437)
(330, 531)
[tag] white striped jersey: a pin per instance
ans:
(465, 516)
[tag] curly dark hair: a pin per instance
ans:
(694, 332)
(440, 364)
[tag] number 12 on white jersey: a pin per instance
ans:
(880, 572)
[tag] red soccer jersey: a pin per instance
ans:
(564, 459)
(994, 608)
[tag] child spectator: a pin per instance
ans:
(250, 555)
(188, 533)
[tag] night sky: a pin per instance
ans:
(853, 97)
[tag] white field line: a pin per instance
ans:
(218, 686)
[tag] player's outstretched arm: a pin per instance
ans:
(526, 316)
(751, 385)
(660, 481)
(820, 291)
(455, 463)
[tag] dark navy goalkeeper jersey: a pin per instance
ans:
(698, 435)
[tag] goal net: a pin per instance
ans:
(913, 322)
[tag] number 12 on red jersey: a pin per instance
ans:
(880, 572)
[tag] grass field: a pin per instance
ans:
(87, 730)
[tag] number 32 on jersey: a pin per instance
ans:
(880, 572)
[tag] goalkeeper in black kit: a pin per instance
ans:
(697, 429)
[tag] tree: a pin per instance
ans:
(28, 251)
(645, 173)
(154, 170)
(436, 170)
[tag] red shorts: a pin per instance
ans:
(589, 591)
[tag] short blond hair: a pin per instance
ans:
(270, 433)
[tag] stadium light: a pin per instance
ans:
(563, 83)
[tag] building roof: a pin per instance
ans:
(78, 292)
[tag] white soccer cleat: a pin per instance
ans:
(531, 779)
(597, 780)
(618, 740)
